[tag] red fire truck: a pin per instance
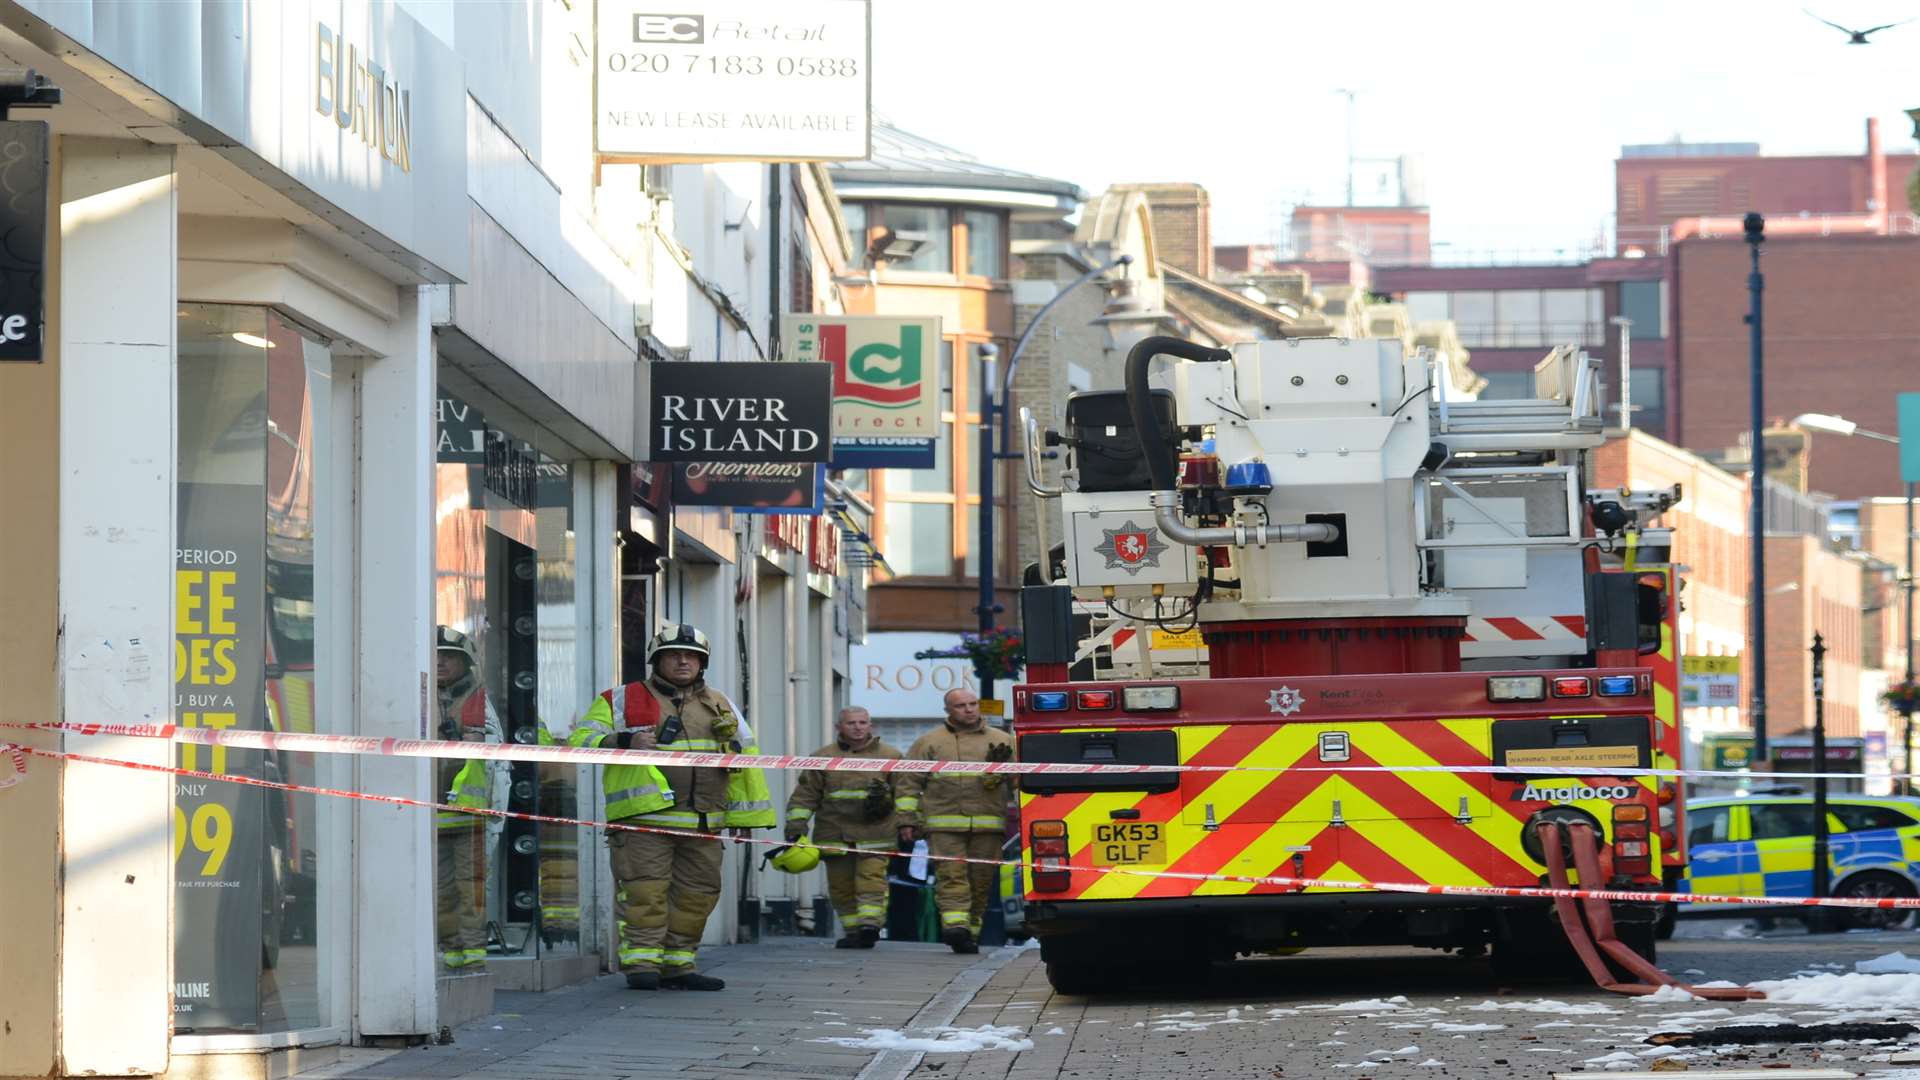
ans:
(1392, 586)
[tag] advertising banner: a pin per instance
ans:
(886, 384)
(23, 224)
(785, 488)
(751, 413)
(713, 80)
(1709, 681)
(219, 836)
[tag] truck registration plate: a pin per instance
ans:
(1124, 843)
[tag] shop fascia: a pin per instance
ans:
(361, 97)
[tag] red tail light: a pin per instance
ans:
(1048, 839)
(1632, 845)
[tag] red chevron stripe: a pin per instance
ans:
(1397, 795)
(1221, 848)
(1515, 629)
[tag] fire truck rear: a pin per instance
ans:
(1393, 588)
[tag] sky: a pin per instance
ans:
(1517, 110)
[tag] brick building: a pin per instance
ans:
(1842, 337)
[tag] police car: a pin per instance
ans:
(1762, 845)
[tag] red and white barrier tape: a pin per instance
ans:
(296, 742)
(19, 770)
(1294, 883)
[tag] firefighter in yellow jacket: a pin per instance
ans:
(960, 815)
(851, 809)
(668, 883)
(460, 842)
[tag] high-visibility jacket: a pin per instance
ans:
(634, 789)
(697, 797)
(835, 802)
(465, 783)
(954, 803)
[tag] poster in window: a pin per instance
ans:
(225, 921)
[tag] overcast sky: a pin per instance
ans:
(1517, 108)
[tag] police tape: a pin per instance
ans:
(19, 771)
(1293, 884)
(298, 742)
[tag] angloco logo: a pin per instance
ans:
(1535, 793)
(878, 374)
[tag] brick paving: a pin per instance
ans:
(1301, 1016)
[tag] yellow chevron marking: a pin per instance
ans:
(1476, 732)
(1662, 702)
(1228, 794)
(1268, 853)
(1666, 641)
(1427, 860)
(1387, 746)
(1340, 871)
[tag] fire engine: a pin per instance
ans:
(1388, 586)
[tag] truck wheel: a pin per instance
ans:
(1077, 978)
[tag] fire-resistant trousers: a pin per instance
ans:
(857, 885)
(961, 890)
(667, 886)
(460, 895)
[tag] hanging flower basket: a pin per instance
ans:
(1903, 697)
(996, 654)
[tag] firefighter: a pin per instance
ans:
(850, 809)
(960, 815)
(465, 715)
(668, 882)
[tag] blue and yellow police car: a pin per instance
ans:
(1762, 845)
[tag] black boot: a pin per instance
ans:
(869, 936)
(850, 941)
(643, 980)
(960, 939)
(693, 980)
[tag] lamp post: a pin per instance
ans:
(1755, 227)
(1837, 425)
(993, 403)
(1820, 921)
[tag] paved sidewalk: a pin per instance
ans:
(781, 995)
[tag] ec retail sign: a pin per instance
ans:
(740, 412)
(716, 80)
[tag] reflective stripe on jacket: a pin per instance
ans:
(951, 802)
(465, 783)
(839, 799)
(631, 789)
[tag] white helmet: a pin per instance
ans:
(683, 637)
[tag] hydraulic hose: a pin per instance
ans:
(1146, 426)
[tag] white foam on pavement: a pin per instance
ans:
(942, 1040)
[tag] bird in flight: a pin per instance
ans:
(1858, 37)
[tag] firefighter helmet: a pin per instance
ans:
(796, 858)
(451, 640)
(684, 637)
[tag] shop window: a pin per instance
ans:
(855, 215)
(986, 243)
(918, 541)
(920, 236)
(1427, 307)
(254, 867)
(504, 594)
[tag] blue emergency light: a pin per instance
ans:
(1050, 700)
(1615, 685)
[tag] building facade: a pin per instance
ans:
(348, 335)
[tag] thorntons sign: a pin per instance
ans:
(740, 412)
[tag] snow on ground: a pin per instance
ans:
(1545, 1005)
(1853, 989)
(1466, 1029)
(942, 1040)
(1893, 963)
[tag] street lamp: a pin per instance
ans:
(993, 403)
(1755, 227)
(1837, 425)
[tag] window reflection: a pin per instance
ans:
(254, 400)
